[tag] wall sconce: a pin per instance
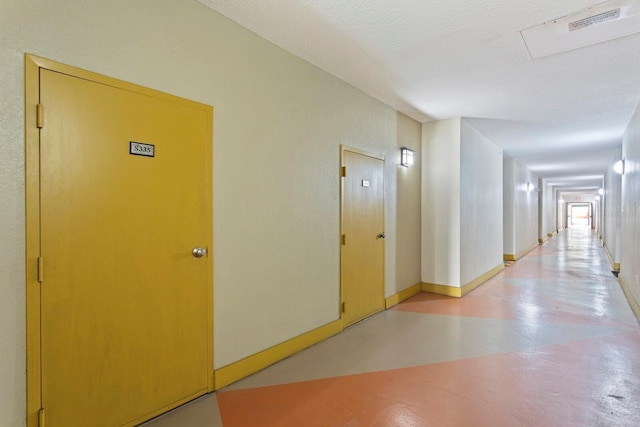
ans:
(529, 186)
(618, 167)
(600, 192)
(406, 157)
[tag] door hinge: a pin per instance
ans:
(343, 307)
(41, 418)
(343, 171)
(40, 269)
(343, 239)
(40, 116)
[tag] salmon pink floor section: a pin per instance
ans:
(550, 341)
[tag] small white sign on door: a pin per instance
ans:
(140, 149)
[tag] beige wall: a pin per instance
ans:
(279, 123)
(407, 256)
(441, 202)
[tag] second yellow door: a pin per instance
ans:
(126, 302)
(362, 254)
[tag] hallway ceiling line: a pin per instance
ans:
(562, 115)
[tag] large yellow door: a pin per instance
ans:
(362, 254)
(125, 198)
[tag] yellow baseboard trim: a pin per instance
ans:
(635, 305)
(614, 265)
(252, 364)
(450, 291)
(511, 257)
(402, 295)
(481, 279)
(459, 292)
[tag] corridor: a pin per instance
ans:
(550, 341)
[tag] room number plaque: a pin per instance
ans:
(140, 149)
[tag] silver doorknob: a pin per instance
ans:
(381, 236)
(199, 252)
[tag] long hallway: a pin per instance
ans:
(550, 341)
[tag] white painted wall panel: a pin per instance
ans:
(524, 209)
(630, 235)
(508, 204)
(562, 211)
(611, 204)
(545, 209)
(554, 209)
(441, 202)
(481, 191)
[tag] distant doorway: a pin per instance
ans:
(580, 215)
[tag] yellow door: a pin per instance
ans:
(125, 197)
(362, 255)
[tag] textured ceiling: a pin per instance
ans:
(561, 115)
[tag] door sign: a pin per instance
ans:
(140, 149)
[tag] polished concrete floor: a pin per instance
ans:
(550, 341)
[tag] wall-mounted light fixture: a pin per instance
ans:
(618, 167)
(601, 191)
(406, 157)
(530, 186)
(597, 198)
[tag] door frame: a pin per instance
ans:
(33, 64)
(344, 148)
(590, 209)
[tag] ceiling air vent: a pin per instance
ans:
(595, 19)
(599, 23)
